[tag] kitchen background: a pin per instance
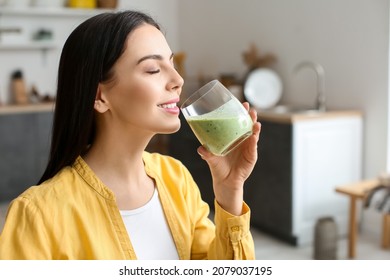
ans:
(349, 38)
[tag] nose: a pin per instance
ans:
(176, 81)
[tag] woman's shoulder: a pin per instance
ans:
(53, 188)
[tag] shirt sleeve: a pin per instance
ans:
(23, 236)
(228, 238)
(233, 239)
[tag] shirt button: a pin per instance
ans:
(235, 228)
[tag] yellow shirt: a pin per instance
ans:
(74, 216)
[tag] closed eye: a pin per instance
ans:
(154, 71)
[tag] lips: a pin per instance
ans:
(168, 105)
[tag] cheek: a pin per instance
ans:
(134, 94)
(140, 94)
(137, 99)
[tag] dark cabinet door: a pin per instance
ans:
(182, 145)
(268, 190)
(24, 148)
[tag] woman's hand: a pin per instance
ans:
(230, 172)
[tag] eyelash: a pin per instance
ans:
(154, 71)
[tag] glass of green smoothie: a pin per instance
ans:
(217, 118)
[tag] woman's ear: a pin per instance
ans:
(101, 103)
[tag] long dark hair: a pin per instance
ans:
(87, 59)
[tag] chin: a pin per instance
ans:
(173, 129)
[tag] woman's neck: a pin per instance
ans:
(119, 165)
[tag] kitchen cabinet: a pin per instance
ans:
(302, 157)
(24, 147)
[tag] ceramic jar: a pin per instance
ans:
(325, 239)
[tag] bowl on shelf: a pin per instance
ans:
(107, 4)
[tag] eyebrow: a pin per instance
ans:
(153, 56)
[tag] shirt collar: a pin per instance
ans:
(91, 179)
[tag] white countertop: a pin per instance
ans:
(28, 108)
(292, 117)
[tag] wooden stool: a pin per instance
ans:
(358, 191)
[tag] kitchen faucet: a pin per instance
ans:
(319, 70)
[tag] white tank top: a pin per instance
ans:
(149, 231)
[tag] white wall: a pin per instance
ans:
(350, 38)
(388, 111)
(163, 11)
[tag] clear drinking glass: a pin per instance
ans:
(217, 118)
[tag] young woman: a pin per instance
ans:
(102, 195)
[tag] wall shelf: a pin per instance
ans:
(27, 46)
(50, 11)
(38, 58)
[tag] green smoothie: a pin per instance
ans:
(218, 133)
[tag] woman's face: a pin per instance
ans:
(146, 86)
